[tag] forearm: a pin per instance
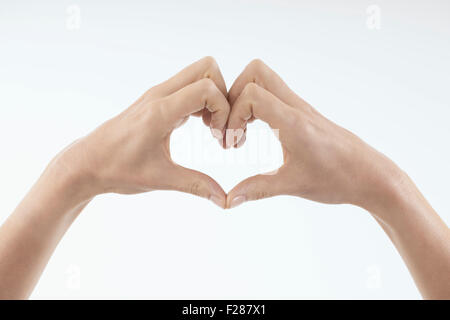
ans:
(31, 233)
(419, 234)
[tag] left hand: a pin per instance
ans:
(130, 153)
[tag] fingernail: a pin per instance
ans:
(237, 201)
(241, 142)
(229, 138)
(240, 134)
(233, 136)
(217, 200)
(217, 133)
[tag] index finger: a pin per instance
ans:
(195, 97)
(205, 68)
(259, 73)
(259, 103)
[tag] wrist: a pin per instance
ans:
(389, 191)
(58, 195)
(69, 178)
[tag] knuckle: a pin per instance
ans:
(257, 63)
(248, 99)
(211, 66)
(209, 61)
(260, 194)
(208, 90)
(257, 69)
(251, 90)
(195, 188)
(207, 85)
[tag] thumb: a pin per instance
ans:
(254, 188)
(196, 183)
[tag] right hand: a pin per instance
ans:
(322, 161)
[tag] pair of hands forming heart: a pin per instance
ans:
(130, 154)
(322, 161)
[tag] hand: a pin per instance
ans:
(326, 163)
(130, 153)
(322, 161)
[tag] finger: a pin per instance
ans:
(257, 187)
(258, 72)
(206, 117)
(195, 97)
(204, 68)
(259, 103)
(196, 183)
(198, 113)
(241, 142)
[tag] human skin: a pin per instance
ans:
(326, 163)
(127, 154)
(130, 154)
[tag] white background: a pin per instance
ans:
(60, 78)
